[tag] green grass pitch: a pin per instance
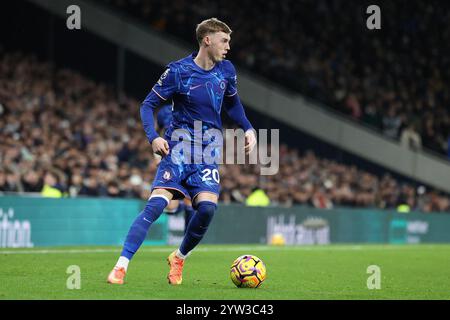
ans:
(293, 273)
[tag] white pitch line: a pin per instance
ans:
(57, 251)
(218, 249)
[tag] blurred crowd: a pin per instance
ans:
(395, 79)
(305, 179)
(59, 128)
(64, 135)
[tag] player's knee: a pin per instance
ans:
(187, 202)
(205, 211)
(157, 201)
(154, 207)
(173, 206)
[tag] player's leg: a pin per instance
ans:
(158, 200)
(202, 184)
(173, 207)
(206, 204)
(189, 212)
(166, 186)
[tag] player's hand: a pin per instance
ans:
(250, 140)
(160, 146)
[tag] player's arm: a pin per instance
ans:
(161, 92)
(235, 111)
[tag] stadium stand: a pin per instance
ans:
(99, 149)
(393, 80)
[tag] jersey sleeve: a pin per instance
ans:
(232, 81)
(167, 85)
(162, 91)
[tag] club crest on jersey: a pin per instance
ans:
(166, 175)
(222, 85)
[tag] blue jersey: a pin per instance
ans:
(164, 117)
(197, 94)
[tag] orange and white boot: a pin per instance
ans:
(117, 275)
(176, 269)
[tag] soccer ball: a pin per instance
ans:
(248, 271)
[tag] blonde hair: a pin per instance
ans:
(211, 25)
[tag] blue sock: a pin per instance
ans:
(188, 214)
(139, 228)
(197, 226)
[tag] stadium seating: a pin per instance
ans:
(63, 130)
(384, 78)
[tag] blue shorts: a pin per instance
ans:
(188, 179)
